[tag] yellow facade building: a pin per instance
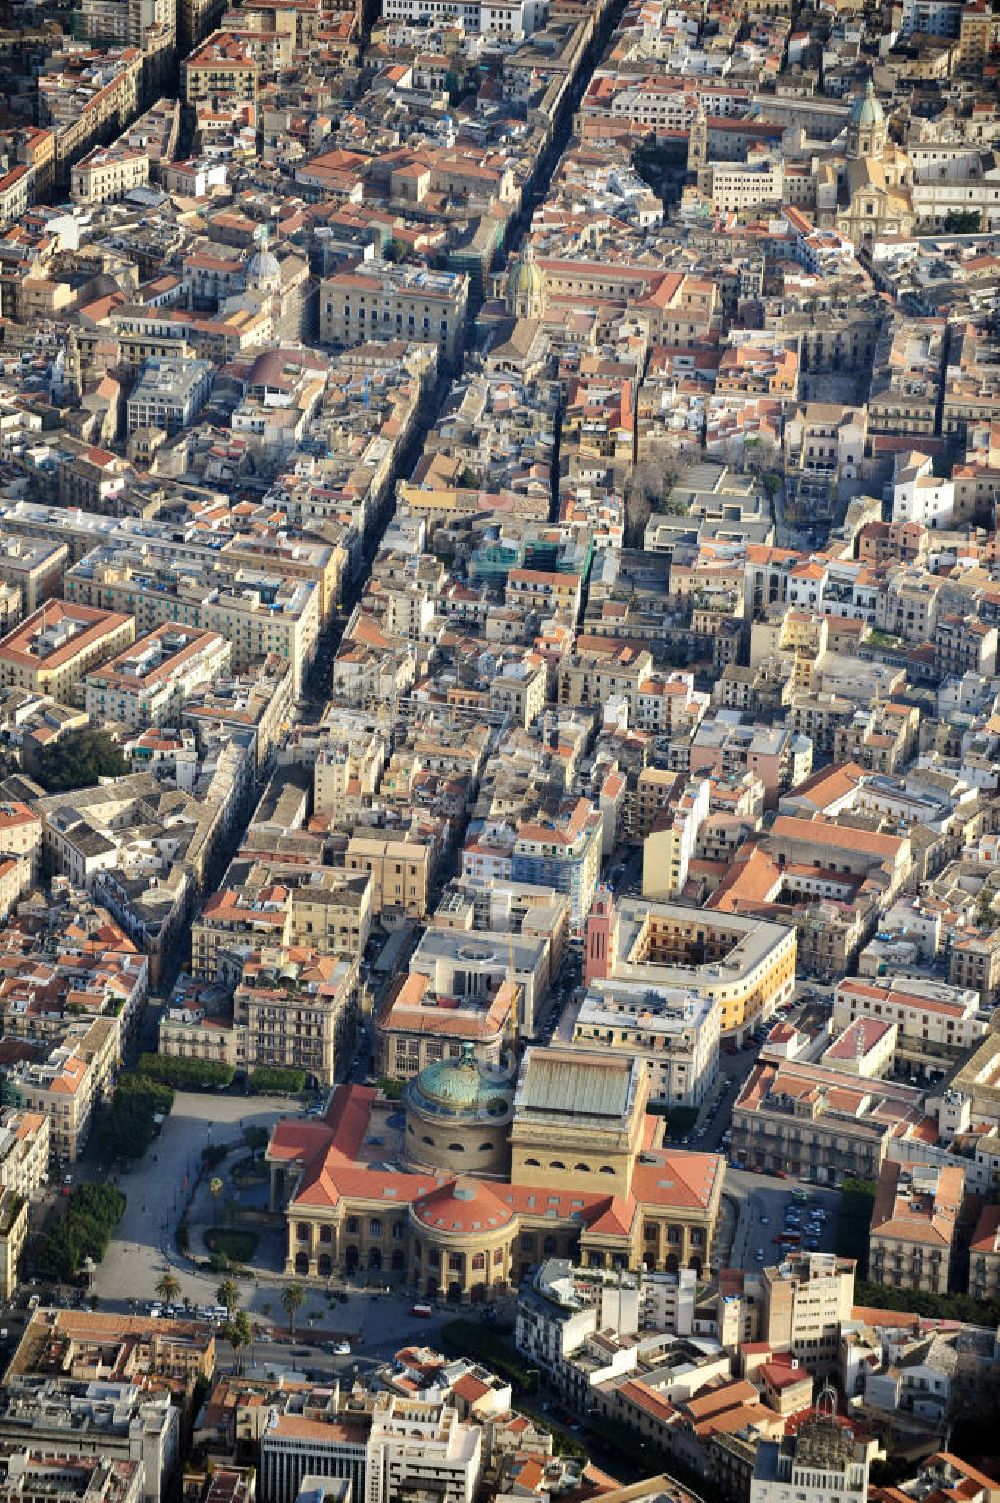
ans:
(494, 1174)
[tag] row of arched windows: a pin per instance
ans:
(558, 1164)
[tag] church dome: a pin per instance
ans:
(457, 1087)
(263, 270)
(526, 281)
(866, 111)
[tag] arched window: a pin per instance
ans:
(606, 1169)
(427, 1140)
(557, 1164)
(455, 1148)
(532, 1164)
(584, 1167)
(485, 1147)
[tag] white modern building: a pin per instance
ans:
(419, 1446)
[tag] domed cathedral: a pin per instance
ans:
(527, 292)
(280, 288)
(867, 132)
(865, 191)
(476, 1177)
(263, 271)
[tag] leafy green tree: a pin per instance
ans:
(293, 1297)
(82, 1231)
(963, 222)
(215, 1189)
(256, 1137)
(186, 1074)
(78, 760)
(128, 1127)
(272, 1079)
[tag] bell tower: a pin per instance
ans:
(72, 377)
(698, 141)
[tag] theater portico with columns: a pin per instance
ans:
(579, 1170)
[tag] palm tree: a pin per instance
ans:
(293, 1297)
(215, 1189)
(228, 1294)
(239, 1334)
(168, 1287)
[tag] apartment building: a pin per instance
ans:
(726, 746)
(519, 689)
(325, 909)
(561, 850)
(400, 872)
(346, 773)
(654, 789)
(418, 1446)
(805, 1299)
(820, 1463)
(818, 1123)
(223, 68)
(108, 173)
(295, 1009)
(69, 1084)
(31, 1473)
(258, 612)
(930, 1014)
(111, 1418)
(984, 1255)
(974, 962)
(676, 1031)
(509, 20)
(34, 568)
(908, 370)
(545, 590)
(24, 1151)
(58, 643)
(914, 1225)
(389, 301)
(13, 1236)
(670, 846)
(169, 393)
(148, 683)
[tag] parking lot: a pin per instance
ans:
(778, 1216)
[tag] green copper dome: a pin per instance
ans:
(527, 279)
(866, 110)
(457, 1086)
